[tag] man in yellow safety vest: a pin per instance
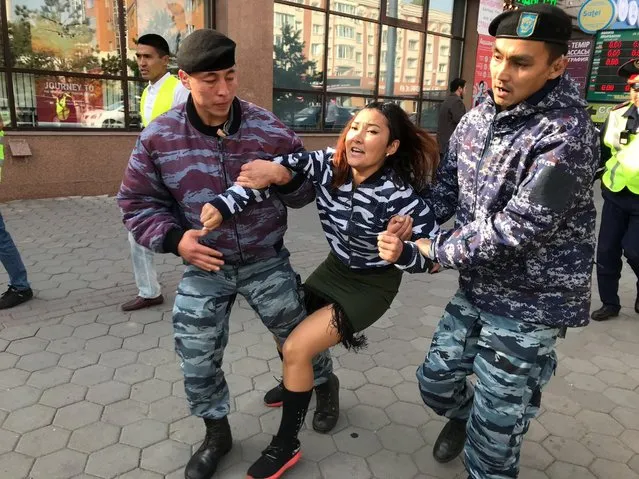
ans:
(619, 230)
(163, 92)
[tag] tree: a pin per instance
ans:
(55, 37)
(291, 69)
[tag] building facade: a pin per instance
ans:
(70, 89)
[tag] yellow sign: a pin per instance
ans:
(599, 111)
(595, 15)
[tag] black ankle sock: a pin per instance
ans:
(294, 409)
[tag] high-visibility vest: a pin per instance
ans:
(622, 169)
(163, 100)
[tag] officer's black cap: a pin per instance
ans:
(541, 22)
(630, 70)
(206, 50)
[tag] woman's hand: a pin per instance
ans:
(424, 246)
(259, 174)
(390, 247)
(401, 226)
(210, 217)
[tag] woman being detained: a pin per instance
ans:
(381, 160)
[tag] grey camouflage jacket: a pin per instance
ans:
(520, 184)
(178, 166)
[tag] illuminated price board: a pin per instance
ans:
(612, 49)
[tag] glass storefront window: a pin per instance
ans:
(407, 10)
(402, 56)
(67, 102)
(340, 110)
(72, 62)
(135, 96)
(65, 35)
(437, 69)
(298, 52)
(430, 111)
(350, 61)
(407, 104)
(298, 111)
(403, 62)
(173, 20)
(5, 114)
(367, 9)
(440, 16)
(311, 3)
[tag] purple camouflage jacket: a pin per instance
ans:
(179, 164)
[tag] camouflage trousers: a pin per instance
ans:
(201, 323)
(512, 361)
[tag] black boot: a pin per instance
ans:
(450, 442)
(607, 311)
(217, 443)
(273, 398)
(327, 409)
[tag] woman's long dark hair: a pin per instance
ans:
(414, 162)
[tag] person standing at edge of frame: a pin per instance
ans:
(163, 92)
(181, 161)
(518, 175)
(619, 228)
(19, 290)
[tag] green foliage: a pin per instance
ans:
(55, 37)
(292, 70)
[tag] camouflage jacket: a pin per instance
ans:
(520, 184)
(179, 164)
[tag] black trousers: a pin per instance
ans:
(618, 236)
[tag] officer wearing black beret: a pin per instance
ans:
(619, 229)
(206, 50)
(182, 160)
(519, 169)
(541, 22)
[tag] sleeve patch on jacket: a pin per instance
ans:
(554, 187)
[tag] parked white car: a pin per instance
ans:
(111, 117)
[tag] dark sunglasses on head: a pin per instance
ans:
(635, 87)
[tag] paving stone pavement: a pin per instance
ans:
(87, 391)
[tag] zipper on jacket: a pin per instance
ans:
(489, 139)
(220, 146)
(348, 227)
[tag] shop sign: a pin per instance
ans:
(595, 15)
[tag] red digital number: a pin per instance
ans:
(614, 53)
(612, 62)
(607, 87)
(635, 53)
(627, 88)
(635, 44)
(614, 44)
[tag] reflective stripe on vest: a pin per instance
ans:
(622, 169)
(163, 100)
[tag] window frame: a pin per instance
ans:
(8, 70)
(383, 20)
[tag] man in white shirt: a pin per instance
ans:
(163, 92)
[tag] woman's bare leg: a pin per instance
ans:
(312, 336)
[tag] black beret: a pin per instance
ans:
(630, 70)
(541, 22)
(206, 50)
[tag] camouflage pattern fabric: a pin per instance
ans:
(513, 360)
(201, 323)
(174, 170)
(520, 184)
